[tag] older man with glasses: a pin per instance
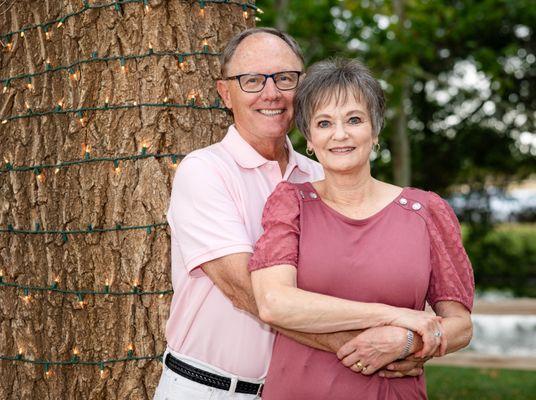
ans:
(217, 347)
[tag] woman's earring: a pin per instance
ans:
(376, 147)
(309, 152)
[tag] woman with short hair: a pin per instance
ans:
(352, 252)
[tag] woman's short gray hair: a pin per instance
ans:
(338, 78)
(231, 47)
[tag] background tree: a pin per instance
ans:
(459, 78)
(111, 88)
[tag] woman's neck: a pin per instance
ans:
(348, 189)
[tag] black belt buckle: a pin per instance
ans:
(209, 379)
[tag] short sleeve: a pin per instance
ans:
(204, 220)
(281, 223)
(452, 274)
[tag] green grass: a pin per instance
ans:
(454, 383)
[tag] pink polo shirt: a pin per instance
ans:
(216, 207)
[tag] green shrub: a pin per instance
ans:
(504, 258)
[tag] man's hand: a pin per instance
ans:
(399, 369)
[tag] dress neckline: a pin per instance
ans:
(353, 221)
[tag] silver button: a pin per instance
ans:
(313, 195)
(403, 201)
(416, 206)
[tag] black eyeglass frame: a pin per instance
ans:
(266, 76)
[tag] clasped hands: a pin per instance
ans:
(378, 349)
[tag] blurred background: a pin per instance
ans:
(460, 80)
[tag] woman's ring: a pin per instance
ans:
(364, 369)
(437, 334)
(359, 365)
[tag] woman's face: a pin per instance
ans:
(341, 135)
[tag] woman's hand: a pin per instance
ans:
(428, 326)
(373, 349)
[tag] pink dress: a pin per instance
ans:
(408, 253)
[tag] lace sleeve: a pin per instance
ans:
(281, 223)
(452, 274)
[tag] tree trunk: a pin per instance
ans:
(400, 140)
(50, 325)
(281, 15)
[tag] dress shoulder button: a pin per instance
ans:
(416, 206)
(403, 201)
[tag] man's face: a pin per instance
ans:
(267, 114)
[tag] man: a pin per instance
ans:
(217, 348)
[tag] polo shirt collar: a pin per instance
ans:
(247, 157)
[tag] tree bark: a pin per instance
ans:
(51, 325)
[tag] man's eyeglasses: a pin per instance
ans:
(254, 83)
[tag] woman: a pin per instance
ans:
(352, 252)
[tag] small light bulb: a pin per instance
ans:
(21, 351)
(202, 12)
(260, 11)
(205, 43)
(4, 121)
(29, 86)
(123, 69)
(56, 170)
(48, 373)
(107, 100)
(9, 46)
(27, 105)
(102, 373)
(57, 279)
(166, 99)
(117, 170)
(161, 295)
(40, 177)
(135, 103)
(147, 8)
(48, 35)
(150, 46)
(82, 121)
(22, 34)
(26, 298)
(130, 347)
(60, 24)
(76, 351)
(245, 14)
(5, 89)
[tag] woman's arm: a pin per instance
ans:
(281, 303)
(456, 323)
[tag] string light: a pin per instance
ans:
(245, 11)
(95, 58)
(78, 111)
(59, 22)
(205, 45)
(148, 228)
(8, 167)
(54, 288)
(201, 8)
(75, 360)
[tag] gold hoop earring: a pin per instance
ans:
(376, 147)
(309, 152)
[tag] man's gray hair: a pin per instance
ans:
(338, 78)
(231, 47)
